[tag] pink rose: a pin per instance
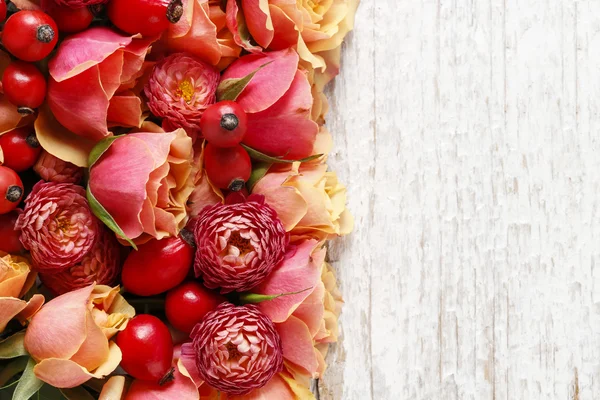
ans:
(180, 88)
(278, 102)
(69, 338)
(53, 169)
(143, 180)
(91, 80)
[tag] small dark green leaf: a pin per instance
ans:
(77, 393)
(255, 298)
(259, 170)
(29, 384)
(99, 149)
(257, 155)
(13, 346)
(15, 367)
(230, 89)
(103, 215)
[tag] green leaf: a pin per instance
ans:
(99, 149)
(257, 155)
(12, 347)
(230, 89)
(259, 170)
(29, 384)
(103, 215)
(13, 368)
(254, 298)
(77, 393)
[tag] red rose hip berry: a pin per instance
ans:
(2, 11)
(30, 35)
(224, 124)
(188, 303)
(11, 189)
(227, 168)
(21, 149)
(9, 237)
(147, 349)
(147, 17)
(68, 20)
(24, 86)
(157, 266)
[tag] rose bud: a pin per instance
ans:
(57, 226)
(101, 265)
(53, 169)
(234, 349)
(180, 88)
(238, 245)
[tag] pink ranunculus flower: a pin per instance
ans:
(143, 180)
(53, 169)
(101, 265)
(278, 102)
(92, 80)
(180, 88)
(234, 349)
(69, 338)
(57, 225)
(16, 278)
(238, 244)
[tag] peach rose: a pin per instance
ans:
(16, 279)
(308, 199)
(69, 338)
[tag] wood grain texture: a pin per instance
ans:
(468, 132)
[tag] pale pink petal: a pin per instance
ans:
(182, 387)
(94, 350)
(297, 344)
(312, 309)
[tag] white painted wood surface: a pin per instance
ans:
(468, 132)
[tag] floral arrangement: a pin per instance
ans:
(165, 199)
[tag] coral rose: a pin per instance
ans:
(91, 80)
(238, 245)
(53, 169)
(180, 88)
(309, 200)
(101, 265)
(69, 337)
(278, 102)
(16, 279)
(235, 349)
(57, 225)
(143, 180)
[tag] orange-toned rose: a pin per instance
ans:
(69, 337)
(16, 278)
(308, 199)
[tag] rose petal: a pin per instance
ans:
(94, 350)
(277, 388)
(236, 23)
(297, 343)
(113, 388)
(33, 306)
(286, 34)
(125, 109)
(9, 116)
(182, 387)
(312, 309)
(9, 308)
(258, 19)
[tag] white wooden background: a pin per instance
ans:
(468, 132)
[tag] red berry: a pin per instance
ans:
(147, 348)
(2, 11)
(21, 149)
(157, 266)
(9, 237)
(30, 35)
(227, 168)
(11, 189)
(68, 20)
(148, 17)
(24, 86)
(188, 303)
(224, 124)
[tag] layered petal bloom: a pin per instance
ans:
(234, 349)
(102, 264)
(57, 225)
(180, 88)
(309, 200)
(143, 180)
(16, 279)
(53, 169)
(69, 338)
(278, 102)
(238, 244)
(92, 77)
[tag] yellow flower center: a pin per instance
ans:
(186, 90)
(314, 4)
(63, 225)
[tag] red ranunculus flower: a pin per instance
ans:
(57, 226)
(238, 244)
(235, 349)
(180, 88)
(101, 265)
